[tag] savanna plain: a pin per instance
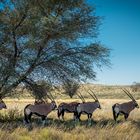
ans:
(103, 126)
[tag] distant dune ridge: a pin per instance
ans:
(102, 91)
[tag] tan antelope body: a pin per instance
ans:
(2, 105)
(40, 109)
(69, 108)
(88, 107)
(124, 108)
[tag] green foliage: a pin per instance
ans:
(40, 89)
(41, 40)
(71, 88)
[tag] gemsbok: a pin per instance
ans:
(41, 110)
(69, 108)
(2, 105)
(88, 107)
(124, 108)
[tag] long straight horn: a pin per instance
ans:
(82, 96)
(52, 97)
(129, 94)
(126, 93)
(94, 95)
(49, 97)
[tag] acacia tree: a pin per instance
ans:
(70, 88)
(43, 40)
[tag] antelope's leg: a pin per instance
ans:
(114, 113)
(89, 118)
(59, 113)
(29, 117)
(117, 115)
(89, 115)
(79, 115)
(43, 120)
(114, 116)
(25, 120)
(126, 116)
(63, 112)
(74, 116)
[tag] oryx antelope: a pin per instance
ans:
(124, 108)
(2, 105)
(88, 107)
(69, 108)
(41, 110)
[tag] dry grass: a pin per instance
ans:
(103, 127)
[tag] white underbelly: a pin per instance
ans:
(116, 109)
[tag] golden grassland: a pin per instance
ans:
(103, 126)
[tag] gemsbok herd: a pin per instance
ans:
(42, 109)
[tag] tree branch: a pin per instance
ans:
(21, 21)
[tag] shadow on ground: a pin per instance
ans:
(67, 125)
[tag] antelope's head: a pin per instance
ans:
(95, 98)
(135, 104)
(2, 104)
(53, 103)
(54, 106)
(98, 104)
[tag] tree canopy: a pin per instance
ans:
(44, 40)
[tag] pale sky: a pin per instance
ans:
(120, 31)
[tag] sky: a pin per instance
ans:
(120, 31)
